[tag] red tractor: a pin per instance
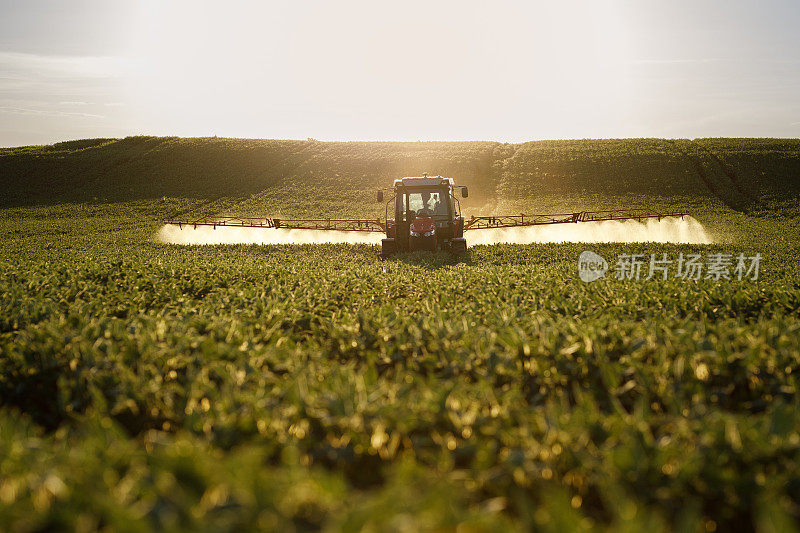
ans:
(427, 216)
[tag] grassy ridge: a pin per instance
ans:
(740, 172)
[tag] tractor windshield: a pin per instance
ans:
(426, 204)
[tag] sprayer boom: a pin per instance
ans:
(331, 224)
(379, 226)
(426, 216)
(511, 221)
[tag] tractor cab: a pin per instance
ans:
(427, 216)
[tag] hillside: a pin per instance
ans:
(150, 386)
(741, 173)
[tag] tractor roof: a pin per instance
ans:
(423, 181)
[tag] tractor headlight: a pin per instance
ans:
(426, 234)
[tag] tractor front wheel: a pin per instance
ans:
(458, 246)
(388, 247)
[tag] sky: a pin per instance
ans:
(503, 70)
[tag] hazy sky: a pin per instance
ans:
(410, 70)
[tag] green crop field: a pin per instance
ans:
(304, 387)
